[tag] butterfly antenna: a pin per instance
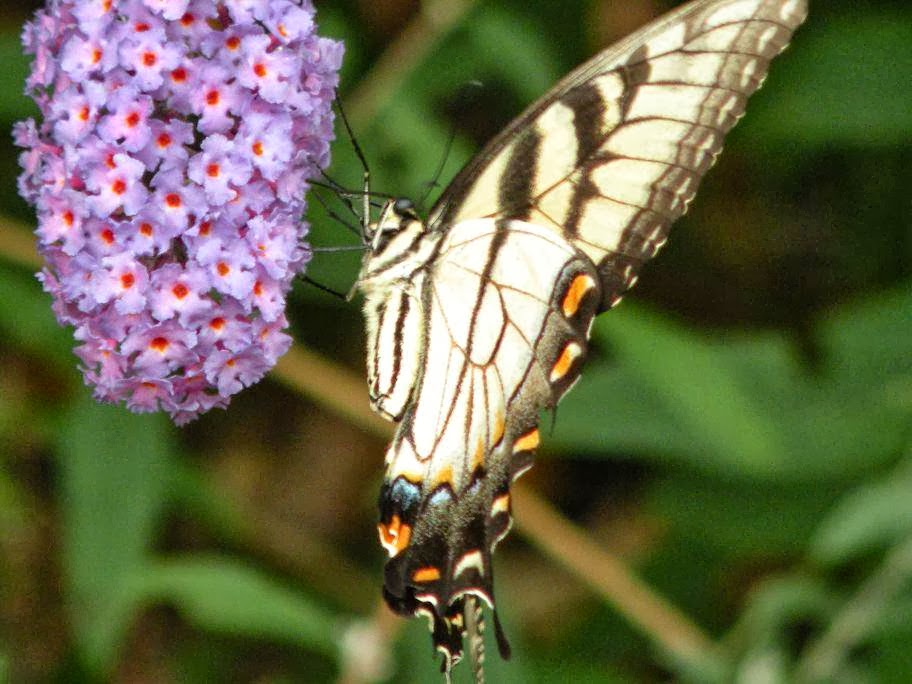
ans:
(328, 290)
(366, 204)
(430, 185)
(433, 183)
(332, 213)
(338, 248)
(474, 622)
(344, 194)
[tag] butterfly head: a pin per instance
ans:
(395, 217)
(395, 245)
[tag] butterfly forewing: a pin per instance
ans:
(480, 319)
(615, 152)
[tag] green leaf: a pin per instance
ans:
(871, 339)
(742, 405)
(611, 410)
(198, 497)
(26, 319)
(533, 66)
(692, 386)
(780, 602)
(576, 671)
(115, 468)
(226, 596)
(735, 516)
(870, 518)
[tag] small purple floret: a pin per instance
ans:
(168, 175)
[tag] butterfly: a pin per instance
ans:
(478, 318)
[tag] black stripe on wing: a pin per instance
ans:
(648, 119)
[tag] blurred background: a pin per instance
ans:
(740, 440)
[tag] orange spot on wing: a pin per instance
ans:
(527, 442)
(426, 574)
(578, 288)
(395, 536)
(564, 361)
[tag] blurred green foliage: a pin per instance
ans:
(741, 434)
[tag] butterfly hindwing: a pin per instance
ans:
(508, 307)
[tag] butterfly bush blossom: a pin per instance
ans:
(168, 174)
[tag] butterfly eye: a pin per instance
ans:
(403, 205)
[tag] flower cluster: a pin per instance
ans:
(168, 174)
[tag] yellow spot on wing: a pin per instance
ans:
(501, 504)
(478, 456)
(527, 442)
(426, 574)
(578, 288)
(499, 426)
(445, 476)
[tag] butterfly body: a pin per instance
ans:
(478, 319)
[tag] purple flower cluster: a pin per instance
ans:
(168, 175)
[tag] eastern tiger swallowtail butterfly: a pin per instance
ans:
(478, 318)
